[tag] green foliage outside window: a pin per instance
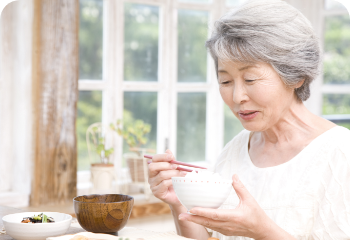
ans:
(141, 42)
(89, 112)
(192, 54)
(142, 106)
(337, 104)
(337, 50)
(90, 39)
(191, 127)
(336, 64)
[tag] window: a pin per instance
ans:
(336, 88)
(146, 59)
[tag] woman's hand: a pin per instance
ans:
(160, 174)
(247, 219)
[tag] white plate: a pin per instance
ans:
(37, 231)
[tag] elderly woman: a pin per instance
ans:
(290, 168)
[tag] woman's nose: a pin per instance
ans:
(239, 94)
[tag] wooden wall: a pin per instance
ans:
(55, 95)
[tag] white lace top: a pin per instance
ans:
(308, 196)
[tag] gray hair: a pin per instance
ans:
(273, 32)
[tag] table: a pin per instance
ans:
(9, 210)
(131, 233)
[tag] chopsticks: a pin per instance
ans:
(178, 163)
(180, 168)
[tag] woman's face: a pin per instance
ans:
(255, 93)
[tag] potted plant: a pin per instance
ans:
(133, 132)
(102, 171)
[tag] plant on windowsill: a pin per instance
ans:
(104, 153)
(102, 171)
(96, 137)
(134, 133)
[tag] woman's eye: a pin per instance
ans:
(249, 81)
(225, 82)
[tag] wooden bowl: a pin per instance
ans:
(107, 213)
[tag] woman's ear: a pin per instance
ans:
(299, 84)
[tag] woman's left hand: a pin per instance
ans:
(247, 219)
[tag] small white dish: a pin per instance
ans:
(36, 231)
(201, 193)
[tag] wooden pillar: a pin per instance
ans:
(55, 94)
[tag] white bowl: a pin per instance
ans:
(36, 231)
(201, 193)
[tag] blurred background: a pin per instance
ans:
(142, 83)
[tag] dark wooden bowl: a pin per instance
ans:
(107, 213)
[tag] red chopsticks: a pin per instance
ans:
(179, 163)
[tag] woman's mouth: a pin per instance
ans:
(248, 115)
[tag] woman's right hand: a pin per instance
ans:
(160, 172)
